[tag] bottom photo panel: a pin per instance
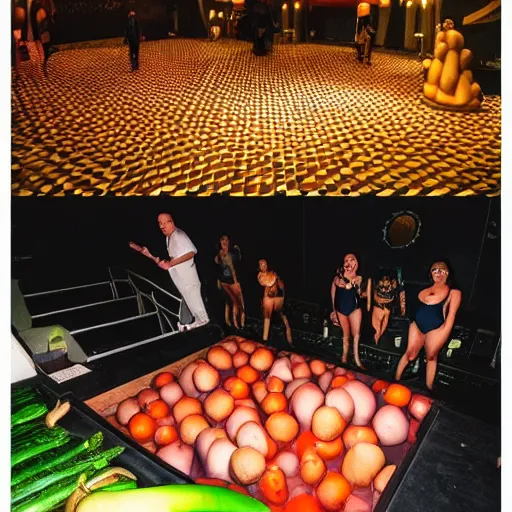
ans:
(267, 354)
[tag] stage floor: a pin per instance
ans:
(204, 118)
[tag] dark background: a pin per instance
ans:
(83, 20)
(73, 241)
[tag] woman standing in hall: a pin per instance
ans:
(433, 322)
(227, 259)
(273, 299)
(347, 290)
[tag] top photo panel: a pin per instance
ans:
(256, 97)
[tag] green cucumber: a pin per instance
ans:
(50, 498)
(19, 432)
(51, 461)
(94, 462)
(48, 443)
(35, 438)
(28, 413)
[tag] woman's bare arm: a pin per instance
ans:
(453, 307)
(369, 294)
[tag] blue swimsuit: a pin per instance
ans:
(346, 301)
(430, 316)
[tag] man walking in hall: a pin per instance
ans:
(182, 268)
(132, 37)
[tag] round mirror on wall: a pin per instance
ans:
(402, 229)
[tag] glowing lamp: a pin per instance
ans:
(424, 3)
(238, 2)
(363, 9)
(384, 3)
(296, 6)
(284, 7)
(409, 3)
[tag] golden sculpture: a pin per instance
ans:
(449, 82)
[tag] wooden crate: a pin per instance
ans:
(106, 403)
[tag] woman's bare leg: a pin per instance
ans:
(434, 341)
(268, 306)
(238, 301)
(345, 327)
(355, 319)
(287, 328)
(385, 320)
(232, 297)
(227, 318)
(377, 315)
(416, 339)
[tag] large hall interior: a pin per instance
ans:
(205, 115)
(256, 256)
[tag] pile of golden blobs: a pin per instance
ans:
(202, 118)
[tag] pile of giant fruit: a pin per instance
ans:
(296, 433)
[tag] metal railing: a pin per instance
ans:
(166, 316)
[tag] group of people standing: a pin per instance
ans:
(32, 20)
(430, 327)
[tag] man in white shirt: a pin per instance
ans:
(182, 268)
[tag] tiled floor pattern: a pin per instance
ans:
(202, 118)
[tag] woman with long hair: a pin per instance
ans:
(273, 299)
(227, 259)
(433, 322)
(347, 290)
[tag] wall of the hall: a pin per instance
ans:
(79, 20)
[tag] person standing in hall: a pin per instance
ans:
(181, 267)
(132, 36)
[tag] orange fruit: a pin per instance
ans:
(329, 450)
(237, 388)
(219, 358)
(259, 390)
(274, 402)
(305, 440)
(248, 374)
(303, 503)
(158, 409)
(275, 385)
(272, 447)
(397, 394)
(333, 491)
(261, 359)
(354, 435)
(216, 482)
(165, 435)
(317, 367)
(282, 427)
(163, 378)
(379, 385)
(273, 485)
(142, 427)
(338, 381)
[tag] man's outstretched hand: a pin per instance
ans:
(164, 264)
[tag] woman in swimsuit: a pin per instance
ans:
(384, 295)
(346, 293)
(273, 299)
(228, 280)
(433, 322)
